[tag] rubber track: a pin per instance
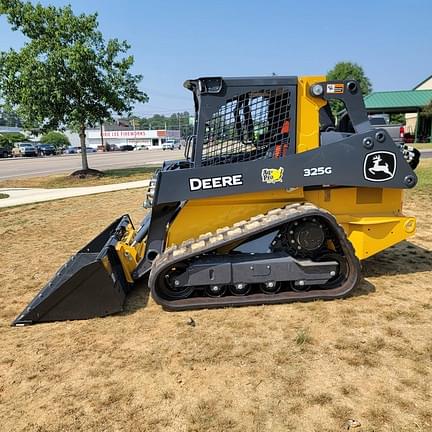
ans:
(242, 230)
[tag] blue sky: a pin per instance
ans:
(176, 40)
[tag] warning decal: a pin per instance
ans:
(335, 88)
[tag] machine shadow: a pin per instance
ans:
(403, 258)
(363, 289)
(137, 299)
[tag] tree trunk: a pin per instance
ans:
(83, 148)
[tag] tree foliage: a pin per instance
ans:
(427, 110)
(9, 118)
(8, 139)
(3, 141)
(348, 70)
(57, 139)
(14, 137)
(176, 121)
(397, 118)
(66, 74)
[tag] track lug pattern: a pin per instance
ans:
(242, 230)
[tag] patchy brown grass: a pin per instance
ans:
(424, 173)
(293, 367)
(422, 146)
(65, 181)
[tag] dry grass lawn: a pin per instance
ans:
(422, 146)
(294, 367)
(66, 180)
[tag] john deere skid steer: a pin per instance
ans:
(273, 203)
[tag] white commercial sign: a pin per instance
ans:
(135, 134)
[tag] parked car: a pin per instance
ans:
(127, 147)
(395, 130)
(88, 150)
(71, 150)
(5, 152)
(112, 147)
(45, 149)
(171, 145)
(24, 149)
(142, 147)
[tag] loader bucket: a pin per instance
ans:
(91, 284)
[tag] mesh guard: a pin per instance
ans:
(250, 126)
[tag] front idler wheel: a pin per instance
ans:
(170, 287)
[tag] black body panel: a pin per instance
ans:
(346, 158)
(257, 268)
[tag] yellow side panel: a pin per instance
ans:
(308, 114)
(371, 235)
(207, 215)
(371, 218)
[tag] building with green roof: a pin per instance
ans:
(408, 102)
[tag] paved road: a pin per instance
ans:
(34, 167)
(41, 166)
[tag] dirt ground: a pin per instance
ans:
(293, 367)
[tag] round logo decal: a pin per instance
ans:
(379, 166)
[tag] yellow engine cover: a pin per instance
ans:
(371, 218)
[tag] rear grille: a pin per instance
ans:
(250, 126)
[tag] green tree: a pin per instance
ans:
(427, 110)
(8, 139)
(57, 139)
(348, 70)
(66, 74)
(8, 118)
(175, 121)
(397, 118)
(4, 142)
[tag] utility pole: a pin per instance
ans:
(133, 125)
(101, 135)
(178, 117)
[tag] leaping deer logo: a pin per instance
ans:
(380, 168)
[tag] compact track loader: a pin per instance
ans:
(273, 203)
